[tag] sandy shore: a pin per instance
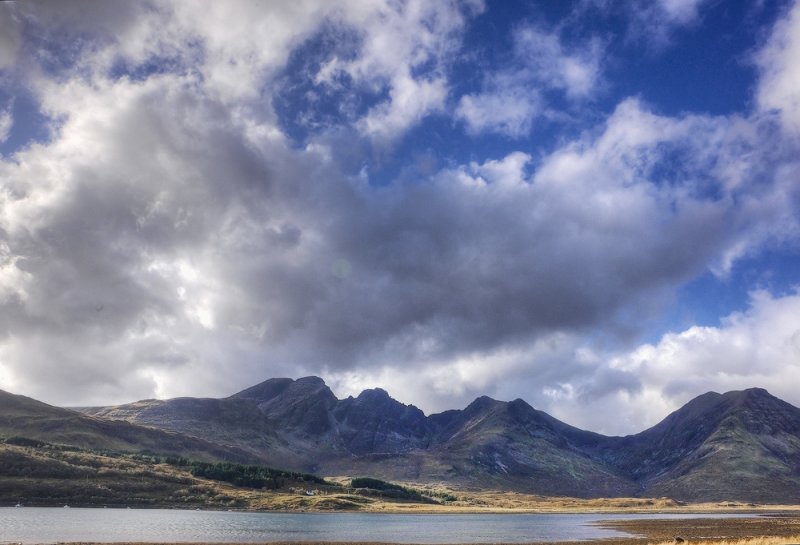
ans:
(708, 530)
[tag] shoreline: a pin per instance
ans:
(421, 509)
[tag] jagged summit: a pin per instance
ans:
(274, 387)
(374, 393)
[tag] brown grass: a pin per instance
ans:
(514, 502)
(761, 540)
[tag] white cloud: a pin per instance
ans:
(757, 347)
(509, 111)
(237, 48)
(242, 44)
(162, 227)
(779, 87)
(410, 100)
(653, 23)
(680, 12)
(508, 172)
(405, 50)
(547, 60)
(512, 98)
(6, 122)
(504, 373)
(611, 393)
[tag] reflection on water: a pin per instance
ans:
(50, 525)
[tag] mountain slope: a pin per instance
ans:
(25, 417)
(648, 453)
(511, 445)
(721, 446)
(226, 421)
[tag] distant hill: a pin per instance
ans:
(27, 418)
(738, 446)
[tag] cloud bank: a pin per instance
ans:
(204, 216)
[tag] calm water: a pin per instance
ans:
(49, 525)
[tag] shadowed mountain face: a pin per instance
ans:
(374, 423)
(301, 406)
(735, 446)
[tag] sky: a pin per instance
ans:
(592, 205)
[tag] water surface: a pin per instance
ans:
(49, 525)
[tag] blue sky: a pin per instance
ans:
(591, 205)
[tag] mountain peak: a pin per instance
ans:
(311, 380)
(758, 390)
(266, 390)
(274, 387)
(482, 403)
(374, 394)
(301, 404)
(759, 412)
(521, 403)
(750, 393)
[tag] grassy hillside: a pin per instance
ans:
(34, 473)
(48, 475)
(26, 417)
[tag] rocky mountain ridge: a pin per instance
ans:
(735, 446)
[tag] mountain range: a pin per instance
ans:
(737, 446)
